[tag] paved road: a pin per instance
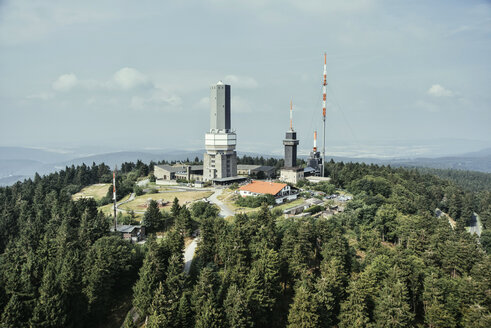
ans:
(132, 197)
(476, 225)
(143, 183)
(224, 210)
(189, 254)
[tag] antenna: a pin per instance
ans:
(114, 198)
(291, 115)
(324, 96)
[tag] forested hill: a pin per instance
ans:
(386, 261)
(469, 180)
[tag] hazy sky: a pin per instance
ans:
(403, 75)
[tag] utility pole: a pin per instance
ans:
(114, 199)
(324, 96)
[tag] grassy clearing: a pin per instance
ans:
(108, 208)
(96, 191)
(294, 203)
(184, 197)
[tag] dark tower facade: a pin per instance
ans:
(291, 172)
(290, 143)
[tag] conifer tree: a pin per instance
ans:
(354, 310)
(236, 311)
(304, 309)
(330, 291)
(151, 273)
(175, 209)
(49, 310)
(392, 308)
(185, 313)
(263, 285)
(160, 312)
(152, 219)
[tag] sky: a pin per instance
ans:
(405, 78)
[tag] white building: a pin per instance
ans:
(281, 191)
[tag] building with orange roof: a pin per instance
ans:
(281, 191)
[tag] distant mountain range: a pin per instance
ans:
(18, 163)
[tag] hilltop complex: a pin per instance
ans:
(220, 159)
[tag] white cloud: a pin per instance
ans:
(65, 82)
(157, 100)
(245, 82)
(438, 91)
(130, 78)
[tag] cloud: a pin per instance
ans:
(427, 106)
(437, 90)
(24, 21)
(245, 82)
(157, 100)
(203, 103)
(129, 78)
(65, 82)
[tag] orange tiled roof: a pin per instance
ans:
(264, 187)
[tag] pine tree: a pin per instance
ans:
(183, 222)
(175, 209)
(161, 313)
(392, 308)
(209, 316)
(235, 307)
(354, 310)
(185, 314)
(330, 291)
(263, 285)
(304, 309)
(205, 300)
(15, 313)
(153, 271)
(49, 310)
(152, 219)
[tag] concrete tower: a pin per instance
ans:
(291, 173)
(220, 159)
(291, 143)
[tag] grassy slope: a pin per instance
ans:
(96, 191)
(183, 196)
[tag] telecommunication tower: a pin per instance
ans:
(324, 96)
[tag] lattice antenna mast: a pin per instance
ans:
(324, 96)
(114, 199)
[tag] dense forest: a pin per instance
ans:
(470, 180)
(386, 261)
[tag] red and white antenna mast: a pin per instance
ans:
(324, 96)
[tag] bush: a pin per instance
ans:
(314, 209)
(255, 201)
(138, 190)
(326, 187)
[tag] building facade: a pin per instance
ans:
(291, 173)
(281, 191)
(220, 159)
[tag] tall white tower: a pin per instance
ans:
(220, 159)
